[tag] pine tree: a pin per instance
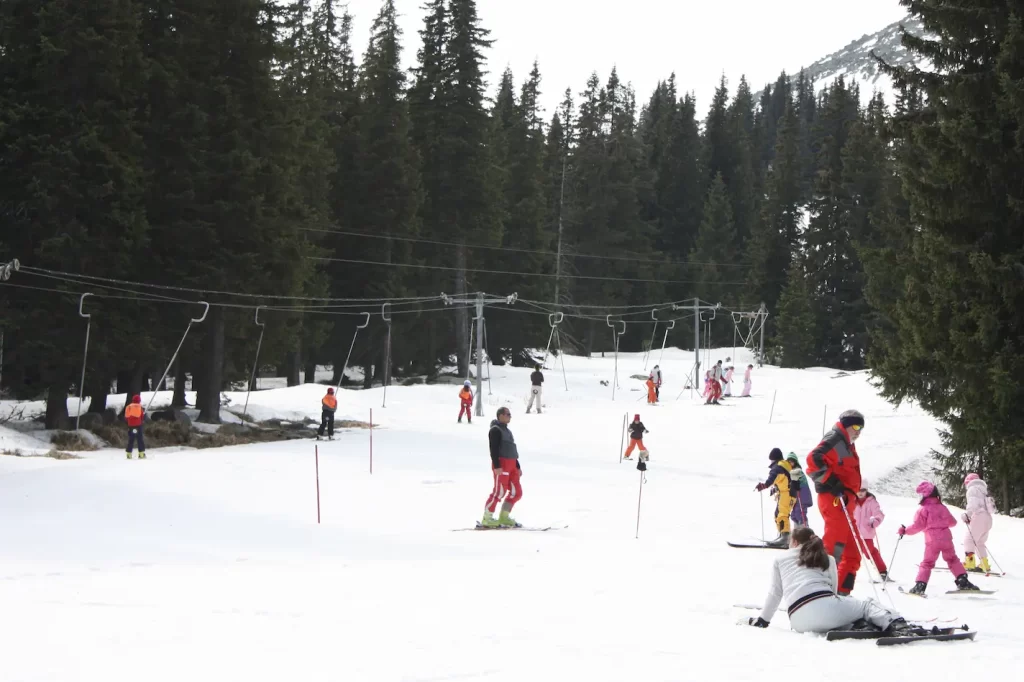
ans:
(714, 241)
(797, 323)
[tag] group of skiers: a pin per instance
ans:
(718, 382)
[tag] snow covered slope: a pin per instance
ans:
(210, 565)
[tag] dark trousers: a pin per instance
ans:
(326, 422)
(135, 437)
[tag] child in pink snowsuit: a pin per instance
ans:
(869, 516)
(978, 518)
(935, 520)
(747, 382)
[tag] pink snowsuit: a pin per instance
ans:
(935, 520)
(868, 515)
(746, 384)
(980, 509)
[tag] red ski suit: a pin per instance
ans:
(835, 469)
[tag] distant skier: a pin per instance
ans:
(329, 405)
(506, 470)
(727, 382)
(834, 466)
(536, 389)
(713, 390)
(466, 398)
(978, 517)
(636, 436)
(656, 373)
(779, 481)
(134, 416)
(869, 517)
(652, 390)
(800, 487)
(747, 383)
(935, 519)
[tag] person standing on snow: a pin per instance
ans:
(834, 466)
(935, 519)
(466, 399)
(801, 490)
(537, 381)
(652, 390)
(978, 517)
(328, 406)
(506, 470)
(805, 577)
(727, 382)
(778, 479)
(134, 416)
(747, 382)
(869, 516)
(656, 374)
(636, 436)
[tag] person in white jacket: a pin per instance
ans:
(978, 517)
(805, 577)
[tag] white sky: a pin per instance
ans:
(649, 39)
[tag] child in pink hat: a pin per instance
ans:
(935, 520)
(978, 517)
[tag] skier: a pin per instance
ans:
(134, 416)
(714, 386)
(329, 406)
(506, 470)
(636, 436)
(805, 577)
(727, 382)
(779, 481)
(466, 398)
(978, 517)
(652, 390)
(657, 381)
(835, 469)
(869, 516)
(935, 520)
(746, 382)
(537, 381)
(801, 489)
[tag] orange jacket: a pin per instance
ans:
(133, 414)
(466, 395)
(330, 403)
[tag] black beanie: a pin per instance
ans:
(851, 418)
(775, 455)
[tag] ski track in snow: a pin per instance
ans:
(210, 564)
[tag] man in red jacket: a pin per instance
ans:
(835, 469)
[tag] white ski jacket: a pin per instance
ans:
(793, 583)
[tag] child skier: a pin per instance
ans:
(746, 382)
(801, 489)
(466, 398)
(779, 481)
(869, 516)
(134, 416)
(978, 517)
(652, 393)
(727, 382)
(657, 381)
(328, 406)
(935, 520)
(636, 436)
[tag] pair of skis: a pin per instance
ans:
(518, 526)
(934, 634)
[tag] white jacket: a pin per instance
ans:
(791, 581)
(978, 500)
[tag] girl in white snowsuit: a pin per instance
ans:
(978, 517)
(805, 577)
(746, 382)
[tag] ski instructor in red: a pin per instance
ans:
(835, 469)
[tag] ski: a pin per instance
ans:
(935, 633)
(761, 545)
(516, 527)
(890, 641)
(912, 594)
(971, 591)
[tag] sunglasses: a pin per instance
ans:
(856, 428)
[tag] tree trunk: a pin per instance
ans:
(310, 372)
(462, 348)
(180, 380)
(208, 398)
(368, 375)
(588, 342)
(123, 382)
(97, 394)
(293, 364)
(57, 406)
(134, 385)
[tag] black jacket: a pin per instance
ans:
(637, 430)
(536, 378)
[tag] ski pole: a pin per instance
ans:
(760, 496)
(622, 440)
(639, 497)
(893, 559)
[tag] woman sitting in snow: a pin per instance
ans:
(806, 577)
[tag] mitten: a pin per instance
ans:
(759, 487)
(902, 531)
(758, 622)
(965, 517)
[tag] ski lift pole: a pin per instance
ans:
(386, 316)
(561, 357)
(85, 354)
(256, 362)
(615, 338)
(194, 320)
(364, 325)
(671, 326)
(654, 333)
(554, 319)
(486, 352)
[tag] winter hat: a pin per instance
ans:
(775, 455)
(851, 418)
(793, 458)
(330, 391)
(925, 489)
(136, 398)
(636, 417)
(466, 383)
(971, 477)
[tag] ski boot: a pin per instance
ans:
(781, 541)
(507, 521)
(489, 521)
(919, 588)
(901, 628)
(884, 576)
(142, 455)
(128, 453)
(984, 565)
(969, 564)
(965, 585)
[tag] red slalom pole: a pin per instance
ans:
(371, 440)
(316, 454)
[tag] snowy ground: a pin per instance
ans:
(210, 565)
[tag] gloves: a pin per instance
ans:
(965, 517)
(902, 531)
(874, 522)
(759, 487)
(758, 622)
